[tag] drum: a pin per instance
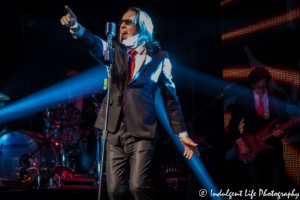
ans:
(15, 148)
(63, 171)
(62, 135)
(62, 114)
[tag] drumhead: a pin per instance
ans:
(14, 149)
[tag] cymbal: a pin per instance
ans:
(4, 97)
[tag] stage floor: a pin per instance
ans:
(83, 194)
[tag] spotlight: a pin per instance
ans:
(88, 82)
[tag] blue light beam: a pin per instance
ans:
(195, 163)
(88, 81)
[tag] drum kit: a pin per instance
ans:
(29, 159)
(47, 159)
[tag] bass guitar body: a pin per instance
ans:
(256, 143)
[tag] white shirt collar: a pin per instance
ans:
(264, 97)
(140, 49)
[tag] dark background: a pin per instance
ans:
(37, 51)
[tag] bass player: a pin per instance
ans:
(258, 106)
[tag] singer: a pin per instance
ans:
(140, 69)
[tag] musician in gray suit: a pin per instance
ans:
(140, 69)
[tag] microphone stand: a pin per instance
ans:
(108, 57)
(215, 99)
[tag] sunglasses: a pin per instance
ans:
(260, 88)
(127, 22)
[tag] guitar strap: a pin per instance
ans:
(275, 102)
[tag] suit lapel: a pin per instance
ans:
(142, 68)
(251, 105)
(272, 109)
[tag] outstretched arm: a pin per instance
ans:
(94, 44)
(173, 109)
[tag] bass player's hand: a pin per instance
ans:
(243, 147)
(278, 133)
(70, 19)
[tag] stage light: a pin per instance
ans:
(87, 82)
(195, 163)
(224, 2)
(203, 83)
(275, 21)
(291, 170)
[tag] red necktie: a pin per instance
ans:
(260, 109)
(131, 69)
(131, 62)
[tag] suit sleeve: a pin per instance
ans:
(282, 107)
(236, 116)
(95, 45)
(170, 98)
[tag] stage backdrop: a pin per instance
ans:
(263, 33)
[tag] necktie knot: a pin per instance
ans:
(131, 53)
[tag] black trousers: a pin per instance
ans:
(275, 165)
(127, 153)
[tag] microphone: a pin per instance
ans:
(110, 30)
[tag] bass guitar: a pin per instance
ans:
(256, 140)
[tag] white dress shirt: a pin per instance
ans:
(265, 100)
(139, 58)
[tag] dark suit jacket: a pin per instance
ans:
(139, 93)
(245, 108)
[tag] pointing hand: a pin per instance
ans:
(70, 19)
